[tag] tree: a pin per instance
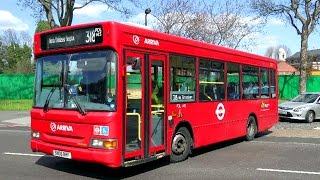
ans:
(272, 52)
(223, 23)
(173, 15)
(42, 26)
(303, 15)
(15, 52)
(63, 10)
(9, 37)
(3, 63)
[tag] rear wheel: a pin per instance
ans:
(181, 145)
(251, 128)
(310, 116)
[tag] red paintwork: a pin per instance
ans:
(207, 129)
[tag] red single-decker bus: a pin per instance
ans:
(121, 95)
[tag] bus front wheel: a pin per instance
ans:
(251, 128)
(181, 145)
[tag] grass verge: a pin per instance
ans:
(16, 105)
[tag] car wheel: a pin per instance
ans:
(181, 145)
(310, 116)
(251, 128)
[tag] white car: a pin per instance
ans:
(304, 107)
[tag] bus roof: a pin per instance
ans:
(128, 28)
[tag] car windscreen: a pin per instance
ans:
(306, 98)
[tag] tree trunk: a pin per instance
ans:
(303, 61)
(46, 4)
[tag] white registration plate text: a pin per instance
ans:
(62, 154)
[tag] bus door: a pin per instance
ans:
(144, 124)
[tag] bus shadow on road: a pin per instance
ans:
(98, 171)
(224, 144)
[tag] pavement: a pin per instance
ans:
(301, 133)
(15, 118)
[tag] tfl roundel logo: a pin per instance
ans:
(220, 111)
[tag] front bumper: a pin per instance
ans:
(110, 158)
(290, 114)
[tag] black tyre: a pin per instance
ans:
(310, 116)
(251, 128)
(181, 145)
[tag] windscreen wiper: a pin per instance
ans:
(46, 104)
(76, 102)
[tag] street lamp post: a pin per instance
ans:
(147, 11)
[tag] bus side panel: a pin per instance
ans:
(264, 110)
(207, 129)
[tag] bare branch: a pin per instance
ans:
(83, 5)
(302, 11)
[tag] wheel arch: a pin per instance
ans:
(256, 119)
(314, 112)
(186, 124)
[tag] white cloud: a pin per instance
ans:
(92, 10)
(276, 22)
(264, 41)
(140, 19)
(251, 21)
(9, 21)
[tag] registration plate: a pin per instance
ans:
(62, 154)
(282, 112)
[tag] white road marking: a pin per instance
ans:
(7, 130)
(290, 143)
(288, 171)
(22, 154)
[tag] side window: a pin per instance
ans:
(273, 83)
(250, 82)
(211, 80)
(233, 79)
(182, 79)
(264, 83)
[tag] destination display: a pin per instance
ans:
(72, 38)
(182, 96)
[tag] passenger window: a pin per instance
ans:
(233, 79)
(273, 83)
(250, 82)
(264, 83)
(182, 79)
(211, 80)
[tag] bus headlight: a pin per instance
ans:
(35, 134)
(104, 143)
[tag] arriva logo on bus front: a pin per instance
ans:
(136, 40)
(151, 42)
(54, 127)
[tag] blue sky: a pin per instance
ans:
(275, 33)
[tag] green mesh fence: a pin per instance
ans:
(16, 86)
(20, 86)
(289, 85)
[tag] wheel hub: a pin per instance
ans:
(179, 144)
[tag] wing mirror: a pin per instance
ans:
(135, 66)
